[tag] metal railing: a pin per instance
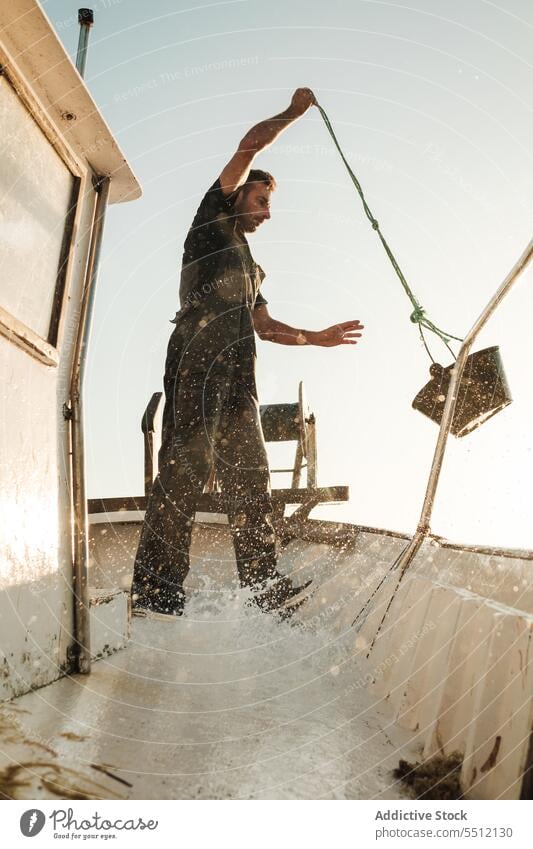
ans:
(423, 528)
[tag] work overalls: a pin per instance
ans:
(211, 417)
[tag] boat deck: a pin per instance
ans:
(225, 702)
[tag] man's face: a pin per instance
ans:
(252, 206)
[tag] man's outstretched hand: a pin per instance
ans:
(302, 100)
(345, 333)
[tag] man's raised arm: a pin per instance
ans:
(260, 137)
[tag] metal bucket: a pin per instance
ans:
(483, 391)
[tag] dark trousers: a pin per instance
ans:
(205, 422)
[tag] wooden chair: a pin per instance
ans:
(281, 423)
(293, 422)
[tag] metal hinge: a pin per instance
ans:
(98, 180)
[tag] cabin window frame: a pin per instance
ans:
(47, 349)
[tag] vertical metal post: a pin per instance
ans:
(311, 453)
(81, 523)
(455, 381)
(85, 20)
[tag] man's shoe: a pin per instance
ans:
(283, 599)
(158, 606)
(297, 597)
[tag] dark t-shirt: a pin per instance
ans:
(219, 289)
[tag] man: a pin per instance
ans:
(211, 415)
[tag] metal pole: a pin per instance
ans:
(447, 419)
(81, 548)
(456, 376)
(85, 20)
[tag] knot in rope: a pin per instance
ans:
(375, 224)
(417, 315)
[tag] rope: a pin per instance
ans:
(418, 315)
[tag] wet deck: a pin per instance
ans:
(225, 702)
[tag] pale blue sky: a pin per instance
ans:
(432, 102)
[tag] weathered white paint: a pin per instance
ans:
(66, 109)
(109, 617)
(36, 617)
(455, 667)
(503, 710)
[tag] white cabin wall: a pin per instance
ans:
(51, 126)
(36, 612)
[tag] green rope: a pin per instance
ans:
(418, 315)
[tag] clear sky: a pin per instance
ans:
(432, 102)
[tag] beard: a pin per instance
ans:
(248, 224)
